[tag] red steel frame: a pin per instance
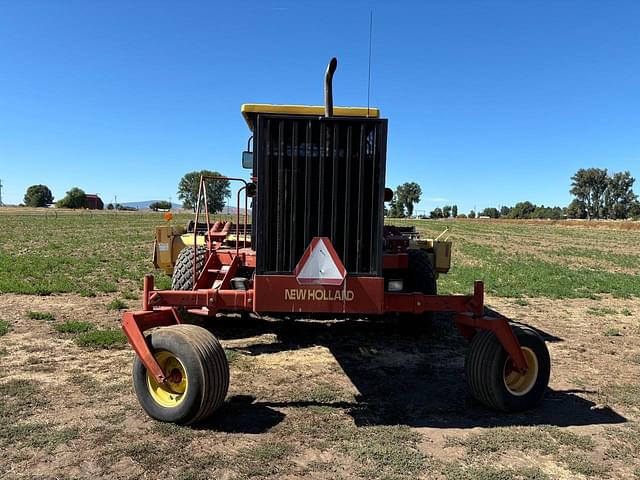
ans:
(159, 306)
(283, 294)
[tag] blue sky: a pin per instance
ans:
(489, 102)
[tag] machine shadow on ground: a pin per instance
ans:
(403, 377)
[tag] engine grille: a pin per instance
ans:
(319, 177)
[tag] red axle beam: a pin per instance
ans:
(158, 310)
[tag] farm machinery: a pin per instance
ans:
(316, 245)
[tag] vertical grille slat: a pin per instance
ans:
(347, 195)
(338, 195)
(322, 168)
(319, 177)
(307, 184)
(294, 194)
(360, 216)
(281, 204)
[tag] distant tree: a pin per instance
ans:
(437, 213)
(634, 210)
(160, 205)
(522, 210)
(396, 209)
(75, 198)
(504, 211)
(541, 212)
(619, 195)
(110, 206)
(577, 209)
(461, 215)
(446, 211)
(490, 212)
(589, 186)
(454, 211)
(38, 196)
(217, 191)
(472, 214)
(408, 194)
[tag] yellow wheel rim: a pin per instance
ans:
(518, 383)
(170, 393)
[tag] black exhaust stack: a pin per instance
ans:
(319, 176)
(328, 87)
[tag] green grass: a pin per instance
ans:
(4, 327)
(268, 457)
(627, 394)
(386, 451)
(601, 311)
(146, 453)
(128, 295)
(49, 438)
(485, 472)
(583, 465)
(84, 253)
(22, 397)
(74, 326)
(612, 332)
(237, 359)
(94, 253)
(109, 338)
(40, 316)
(326, 393)
(117, 304)
(546, 440)
(529, 260)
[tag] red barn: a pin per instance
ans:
(94, 202)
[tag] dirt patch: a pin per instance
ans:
(349, 399)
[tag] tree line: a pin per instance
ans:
(600, 195)
(597, 195)
(404, 198)
(41, 196)
(217, 193)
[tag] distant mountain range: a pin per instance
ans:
(175, 206)
(146, 203)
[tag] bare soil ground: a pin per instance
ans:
(324, 399)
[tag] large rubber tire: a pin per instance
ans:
(421, 277)
(200, 360)
(487, 371)
(182, 278)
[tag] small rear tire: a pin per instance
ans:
(421, 278)
(492, 378)
(182, 278)
(197, 374)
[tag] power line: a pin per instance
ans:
(369, 79)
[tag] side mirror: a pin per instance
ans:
(247, 160)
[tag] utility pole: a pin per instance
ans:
(115, 204)
(0, 192)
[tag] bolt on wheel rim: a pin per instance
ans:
(170, 393)
(518, 383)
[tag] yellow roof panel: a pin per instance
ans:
(250, 109)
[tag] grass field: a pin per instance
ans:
(319, 399)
